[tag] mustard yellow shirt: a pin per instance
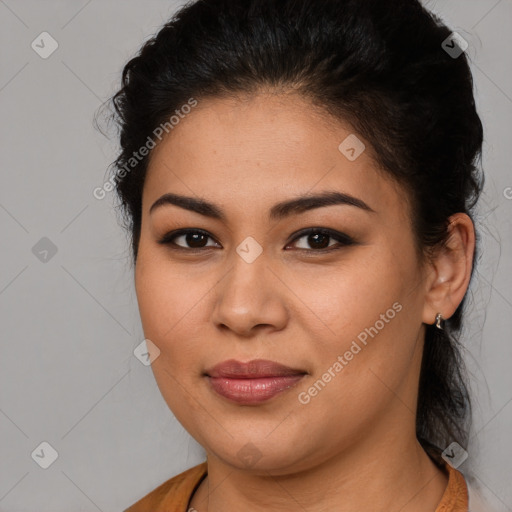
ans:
(174, 495)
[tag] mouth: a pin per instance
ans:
(253, 382)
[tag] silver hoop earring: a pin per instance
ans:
(439, 318)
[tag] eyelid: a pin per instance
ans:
(342, 238)
(166, 239)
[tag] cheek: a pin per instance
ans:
(173, 309)
(167, 304)
(358, 374)
(167, 298)
(348, 298)
(366, 319)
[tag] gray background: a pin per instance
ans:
(69, 325)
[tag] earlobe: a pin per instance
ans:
(452, 264)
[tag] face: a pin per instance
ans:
(243, 279)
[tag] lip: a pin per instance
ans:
(254, 369)
(252, 382)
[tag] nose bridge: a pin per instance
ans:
(246, 279)
(249, 250)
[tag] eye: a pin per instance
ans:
(318, 239)
(196, 239)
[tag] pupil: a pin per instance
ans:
(192, 239)
(313, 239)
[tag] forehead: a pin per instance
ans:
(253, 151)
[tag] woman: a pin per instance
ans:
(297, 179)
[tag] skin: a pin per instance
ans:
(353, 446)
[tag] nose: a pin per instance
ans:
(250, 298)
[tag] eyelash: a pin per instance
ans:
(343, 239)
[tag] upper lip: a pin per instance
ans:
(256, 368)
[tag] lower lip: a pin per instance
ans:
(252, 391)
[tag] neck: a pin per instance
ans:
(375, 479)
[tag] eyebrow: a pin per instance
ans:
(278, 211)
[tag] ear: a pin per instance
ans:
(450, 269)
